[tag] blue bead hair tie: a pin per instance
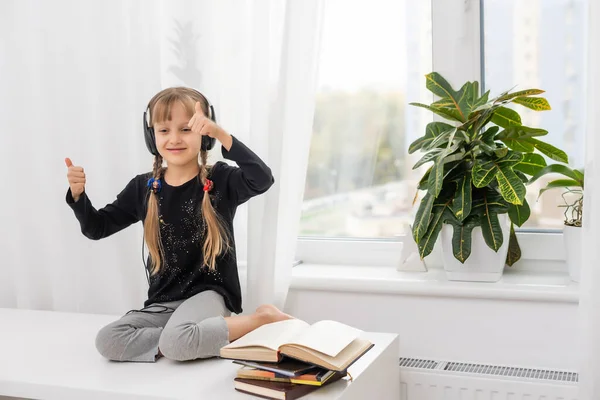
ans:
(154, 185)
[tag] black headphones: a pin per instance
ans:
(207, 142)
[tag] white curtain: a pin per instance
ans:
(75, 78)
(589, 302)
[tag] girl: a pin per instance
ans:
(187, 210)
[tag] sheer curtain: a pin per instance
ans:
(75, 78)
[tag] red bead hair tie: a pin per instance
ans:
(208, 185)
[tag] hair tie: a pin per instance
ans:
(154, 185)
(208, 185)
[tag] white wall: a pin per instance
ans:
(507, 332)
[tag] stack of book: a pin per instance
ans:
(289, 359)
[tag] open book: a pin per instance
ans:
(328, 344)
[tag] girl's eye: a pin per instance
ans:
(186, 129)
(162, 130)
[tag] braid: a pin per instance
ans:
(216, 240)
(203, 167)
(151, 223)
(157, 169)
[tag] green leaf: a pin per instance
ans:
(436, 177)
(501, 152)
(440, 87)
(433, 130)
(558, 169)
(489, 135)
(424, 180)
(518, 137)
(506, 117)
(520, 132)
(461, 204)
(531, 164)
(521, 145)
(428, 240)
(511, 187)
(521, 176)
(560, 183)
(446, 103)
(467, 97)
(488, 198)
(462, 237)
(519, 214)
(454, 157)
(486, 168)
(522, 93)
(534, 103)
(447, 113)
(483, 100)
(514, 250)
(456, 173)
(431, 156)
(490, 227)
(446, 194)
(441, 139)
(550, 151)
(482, 119)
(423, 217)
(512, 159)
(484, 171)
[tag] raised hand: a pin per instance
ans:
(203, 126)
(76, 178)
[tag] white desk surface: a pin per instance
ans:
(51, 355)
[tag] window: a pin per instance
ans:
(541, 44)
(374, 56)
(360, 183)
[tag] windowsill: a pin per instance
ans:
(514, 285)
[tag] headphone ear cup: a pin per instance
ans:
(149, 137)
(207, 143)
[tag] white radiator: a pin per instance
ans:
(442, 380)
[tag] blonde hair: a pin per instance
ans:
(216, 239)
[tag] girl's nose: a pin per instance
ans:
(175, 137)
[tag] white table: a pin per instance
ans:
(51, 355)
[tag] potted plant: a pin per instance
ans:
(475, 187)
(573, 204)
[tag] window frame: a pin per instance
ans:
(457, 54)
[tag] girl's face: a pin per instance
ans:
(175, 141)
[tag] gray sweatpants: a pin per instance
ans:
(196, 329)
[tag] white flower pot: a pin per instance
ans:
(574, 248)
(484, 264)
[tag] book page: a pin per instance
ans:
(328, 337)
(340, 362)
(270, 335)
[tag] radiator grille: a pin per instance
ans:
(491, 370)
(418, 363)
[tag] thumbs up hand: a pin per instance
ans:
(202, 125)
(76, 178)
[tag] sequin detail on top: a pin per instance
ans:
(186, 239)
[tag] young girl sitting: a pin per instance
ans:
(187, 210)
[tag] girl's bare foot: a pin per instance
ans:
(272, 313)
(239, 325)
